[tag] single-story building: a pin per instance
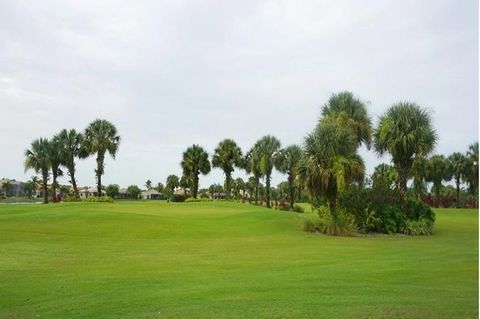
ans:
(151, 194)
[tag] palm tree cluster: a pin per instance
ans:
(61, 151)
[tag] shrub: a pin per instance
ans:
(343, 224)
(299, 209)
(204, 195)
(95, 199)
(177, 198)
(71, 199)
(283, 205)
(418, 227)
(192, 200)
(311, 222)
(417, 210)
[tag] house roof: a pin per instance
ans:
(150, 192)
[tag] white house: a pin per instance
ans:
(151, 194)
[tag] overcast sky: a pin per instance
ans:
(174, 73)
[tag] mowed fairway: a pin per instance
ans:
(226, 260)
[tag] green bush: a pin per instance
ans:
(417, 210)
(297, 208)
(192, 200)
(418, 227)
(71, 199)
(95, 199)
(311, 222)
(177, 198)
(342, 224)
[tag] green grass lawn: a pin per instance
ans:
(226, 260)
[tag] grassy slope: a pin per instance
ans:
(199, 260)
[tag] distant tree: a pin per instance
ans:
(384, 176)
(133, 191)
(112, 190)
(185, 183)
(267, 147)
(438, 170)
(240, 186)
(404, 131)
(195, 162)
(419, 169)
(350, 112)
(37, 159)
(101, 137)
(330, 163)
(471, 170)
(55, 155)
(252, 166)
(227, 156)
(148, 184)
(283, 189)
(286, 161)
(160, 188)
(172, 182)
(251, 186)
(458, 164)
(7, 188)
(70, 143)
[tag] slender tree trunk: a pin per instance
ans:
(267, 184)
(292, 190)
(257, 182)
(54, 185)
(228, 178)
(99, 172)
(45, 186)
(402, 187)
(71, 172)
(437, 196)
(195, 186)
(457, 180)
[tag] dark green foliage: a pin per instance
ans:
(133, 191)
(297, 208)
(94, 199)
(177, 198)
(112, 190)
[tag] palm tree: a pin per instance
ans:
(7, 188)
(54, 153)
(405, 131)
(419, 169)
(195, 161)
(267, 148)
(384, 176)
(438, 170)
(350, 112)
(240, 186)
(330, 162)
(101, 137)
(172, 182)
(37, 159)
(148, 184)
(226, 156)
(458, 166)
(286, 161)
(471, 171)
(70, 145)
(251, 163)
(251, 185)
(160, 188)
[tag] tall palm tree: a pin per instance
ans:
(267, 147)
(195, 161)
(286, 161)
(240, 186)
(384, 176)
(70, 142)
(101, 137)
(330, 162)
(419, 169)
(37, 159)
(54, 153)
(405, 131)
(226, 156)
(148, 184)
(251, 185)
(457, 165)
(251, 163)
(471, 171)
(172, 182)
(350, 112)
(438, 170)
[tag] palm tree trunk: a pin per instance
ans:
(292, 190)
(257, 181)
(267, 184)
(402, 187)
(45, 187)
(54, 185)
(73, 181)
(195, 186)
(99, 173)
(458, 192)
(227, 185)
